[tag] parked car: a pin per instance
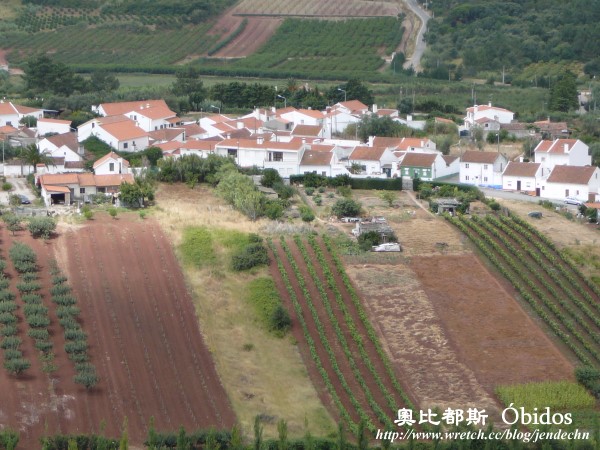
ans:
(573, 201)
(387, 247)
(24, 200)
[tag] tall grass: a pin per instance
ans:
(197, 247)
(556, 395)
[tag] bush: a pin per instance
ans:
(29, 277)
(43, 346)
(346, 207)
(7, 318)
(89, 214)
(280, 321)
(11, 342)
(274, 209)
(17, 366)
(13, 223)
(39, 334)
(35, 308)
(28, 287)
(79, 346)
(59, 290)
(270, 177)
(7, 186)
(369, 239)
(75, 334)
(8, 330)
(8, 306)
(385, 184)
(494, 205)
(23, 257)
(309, 191)
(306, 214)
(88, 378)
(318, 200)
(32, 298)
(250, 256)
(113, 212)
(41, 227)
(38, 321)
(284, 192)
(344, 191)
(65, 311)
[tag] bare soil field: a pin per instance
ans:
(256, 33)
(143, 336)
(451, 328)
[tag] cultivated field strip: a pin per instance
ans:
(556, 293)
(358, 377)
(151, 357)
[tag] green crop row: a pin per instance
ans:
(536, 272)
(513, 276)
(323, 337)
(310, 341)
(365, 320)
(356, 336)
(76, 344)
(381, 415)
(549, 265)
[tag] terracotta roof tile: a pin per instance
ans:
(418, 160)
(124, 130)
(571, 174)
(117, 108)
(316, 158)
(478, 157)
(521, 169)
(364, 153)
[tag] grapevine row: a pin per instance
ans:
(323, 338)
(341, 338)
(515, 280)
(357, 337)
(310, 341)
(365, 320)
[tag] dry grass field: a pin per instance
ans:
(262, 374)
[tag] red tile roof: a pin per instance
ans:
(307, 130)
(113, 109)
(571, 174)
(364, 153)
(124, 131)
(478, 157)
(521, 169)
(316, 158)
(418, 160)
(108, 156)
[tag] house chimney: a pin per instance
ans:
(422, 144)
(490, 104)
(374, 108)
(260, 140)
(566, 147)
(80, 150)
(228, 136)
(240, 125)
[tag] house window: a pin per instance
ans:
(363, 168)
(466, 165)
(324, 173)
(485, 179)
(509, 183)
(467, 177)
(111, 167)
(276, 156)
(406, 171)
(82, 190)
(93, 125)
(232, 152)
(543, 158)
(8, 123)
(125, 145)
(485, 167)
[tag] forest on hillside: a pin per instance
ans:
(474, 36)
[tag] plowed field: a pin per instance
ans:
(143, 336)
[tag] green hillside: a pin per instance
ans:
(100, 32)
(489, 35)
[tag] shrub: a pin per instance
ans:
(113, 212)
(369, 239)
(283, 191)
(7, 186)
(14, 200)
(39, 334)
(346, 207)
(280, 320)
(64, 311)
(59, 291)
(28, 287)
(142, 214)
(344, 191)
(11, 342)
(306, 214)
(35, 308)
(78, 357)
(43, 346)
(79, 346)
(23, 257)
(89, 214)
(75, 334)
(59, 279)
(321, 190)
(12, 353)
(32, 298)
(13, 223)
(270, 177)
(41, 227)
(29, 277)
(494, 205)
(274, 209)
(38, 321)
(250, 256)
(318, 200)
(88, 378)
(7, 318)
(309, 190)
(7, 306)
(17, 366)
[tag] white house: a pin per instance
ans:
(111, 164)
(87, 129)
(522, 176)
(482, 168)
(337, 120)
(570, 152)
(123, 136)
(355, 107)
(122, 108)
(152, 118)
(282, 156)
(427, 166)
(374, 161)
(68, 187)
(573, 181)
(45, 126)
(478, 112)
(324, 163)
(62, 146)
(303, 116)
(11, 114)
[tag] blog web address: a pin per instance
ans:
(519, 425)
(503, 435)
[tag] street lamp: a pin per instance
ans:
(345, 98)
(284, 100)
(216, 107)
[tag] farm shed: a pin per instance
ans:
(382, 228)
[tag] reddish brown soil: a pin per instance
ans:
(258, 31)
(490, 331)
(340, 357)
(143, 336)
